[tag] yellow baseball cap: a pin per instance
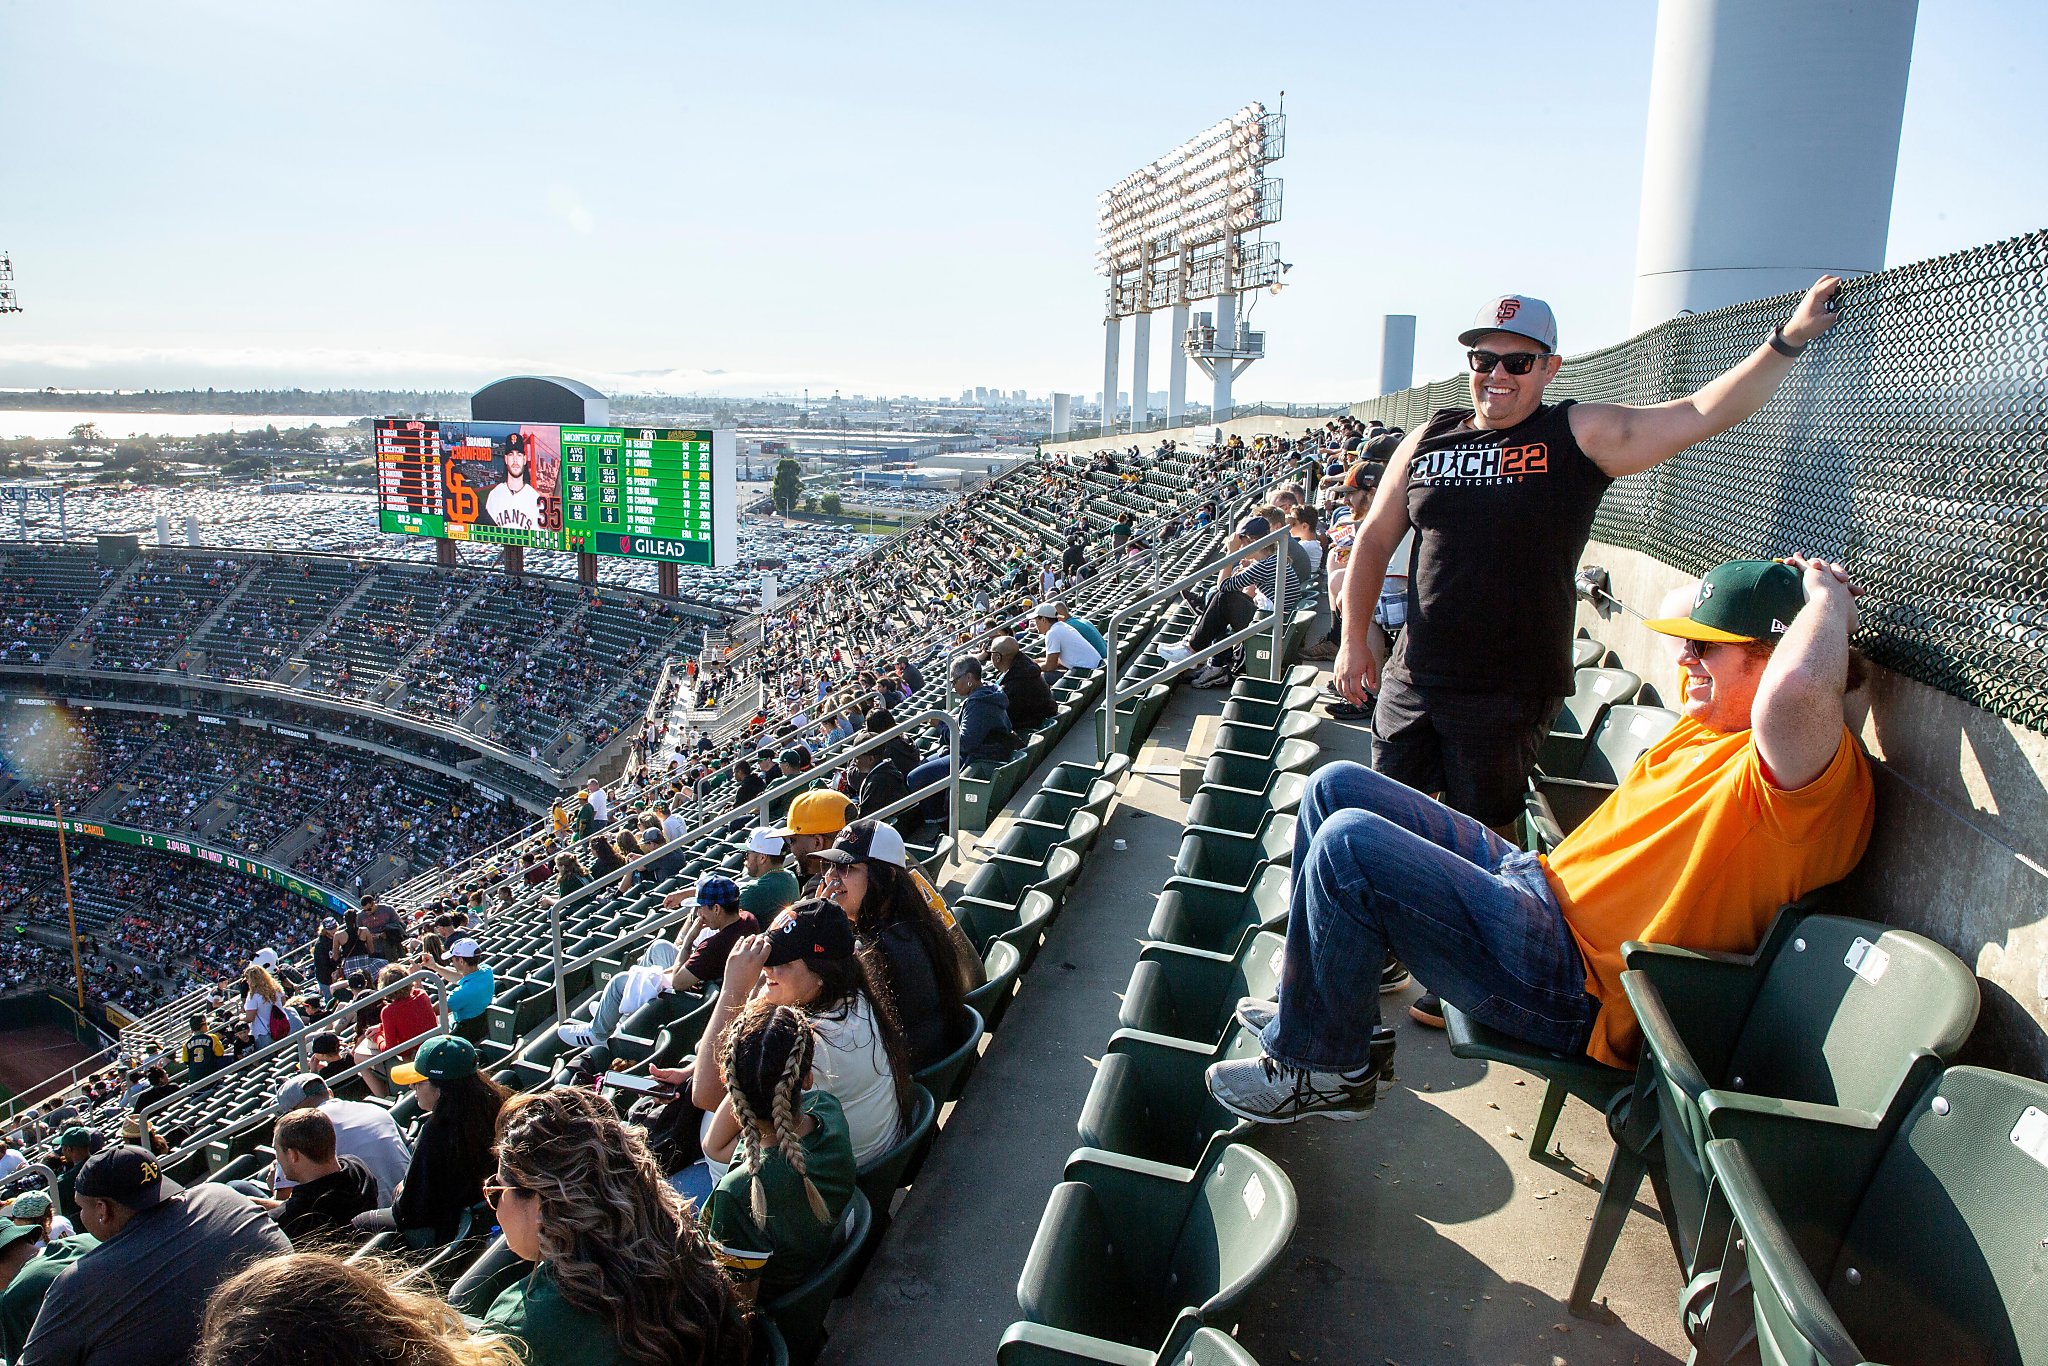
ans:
(816, 813)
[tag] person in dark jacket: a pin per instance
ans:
(881, 783)
(328, 1190)
(453, 1155)
(985, 734)
(901, 938)
(1024, 688)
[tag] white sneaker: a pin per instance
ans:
(576, 1035)
(1173, 652)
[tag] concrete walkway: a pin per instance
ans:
(1427, 1234)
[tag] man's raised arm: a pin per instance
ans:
(1622, 439)
(1797, 716)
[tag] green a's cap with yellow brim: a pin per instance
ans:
(1742, 600)
(445, 1058)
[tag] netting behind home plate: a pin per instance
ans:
(1910, 441)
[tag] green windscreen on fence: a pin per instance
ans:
(1911, 442)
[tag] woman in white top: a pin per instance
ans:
(265, 998)
(806, 959)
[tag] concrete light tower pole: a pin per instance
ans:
(1771, 148)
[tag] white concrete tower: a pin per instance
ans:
(1397, 352)
(1771, 148)
(1177, 366)
(1109, 358)
(1141, 366)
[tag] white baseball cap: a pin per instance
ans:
(465, 947)
(764, 840)
(265, 958)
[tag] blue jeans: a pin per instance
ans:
(1380, 868)
(932, 808)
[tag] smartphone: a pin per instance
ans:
(641, 1086)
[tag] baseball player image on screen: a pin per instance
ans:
(516, 502)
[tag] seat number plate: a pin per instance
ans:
(1867, 960)
(2030, 1135)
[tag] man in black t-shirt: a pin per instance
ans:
(1501, 496)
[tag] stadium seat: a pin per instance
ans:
(1269, 689)
(1834, 1020)
(1587, 653)
(1228, 811)
(1022, 926)
(1261, 742)
(1556, 805)
(1218, 919)
(1264, 714)
(1189, 1344)
(947, 1077)
(881, 1176)
(1002, 883)
(1593, 692)
(1564, 1074)
(1003, 962)
(1916, 1247)
(1190, 994)
(799, 1312)
(1149, 1098)
(1125, 1246)
(1246, 774)
(1234, 861)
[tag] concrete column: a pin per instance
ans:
(1226, 339)
(1109, 357)
(1141, 366)
(1397, 352)
(1177, 367)
(1770, 150)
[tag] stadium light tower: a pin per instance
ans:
(8, 302)
(1190, 226)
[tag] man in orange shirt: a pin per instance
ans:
(1757, 796)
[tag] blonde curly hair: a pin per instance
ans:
(311, 1309)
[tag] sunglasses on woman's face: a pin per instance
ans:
(496, 1191)
(1515, 362)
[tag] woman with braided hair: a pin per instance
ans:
(622, 1273)
(773, 1214)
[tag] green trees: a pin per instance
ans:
(789, 485)
(830, 502)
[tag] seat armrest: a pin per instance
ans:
(1760, 1245)
(1035, 1344)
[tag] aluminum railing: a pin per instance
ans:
(1115, 690)
(758, 805)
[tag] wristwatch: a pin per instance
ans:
(1783, 347)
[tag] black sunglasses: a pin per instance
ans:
(495, 1191)
(1515, 363)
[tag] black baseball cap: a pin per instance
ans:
(811, 929)
(128, 1176)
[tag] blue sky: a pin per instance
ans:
(886, 198)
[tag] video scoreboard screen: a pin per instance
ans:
(645, 493)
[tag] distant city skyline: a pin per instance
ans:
(892, 200)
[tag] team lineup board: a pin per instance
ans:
(649, 493)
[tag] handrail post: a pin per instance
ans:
(953, 784)
(1282, 572)
(555, 934)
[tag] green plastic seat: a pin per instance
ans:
(1593, 692)
(1557, 805)
(1228, 811)
(799, 1312)
(1233, 860)
(1833, 1020)
(882, 1175)
(1587, 653)
(1261, 742)
(1189, 1344)
(1219, 919)
(1191, 994)
(1126, 1246)
(1149, 1098)
(1267, 713)
(1002, 883)
(1913, 1248)
(1247, 774)
(1564, 1074)
(1268, 689)
(1004, 963)
(1021, 926)
(947, 1077)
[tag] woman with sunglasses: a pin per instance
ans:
(622, 1273)
(905, 944)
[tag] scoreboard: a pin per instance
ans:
(646, 493)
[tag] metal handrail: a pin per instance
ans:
(298, 1038)
(355, 1069)
(759, 805)
(1115, 691)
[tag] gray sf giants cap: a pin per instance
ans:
(1516, 313)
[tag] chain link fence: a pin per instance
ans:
(1910, 442)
